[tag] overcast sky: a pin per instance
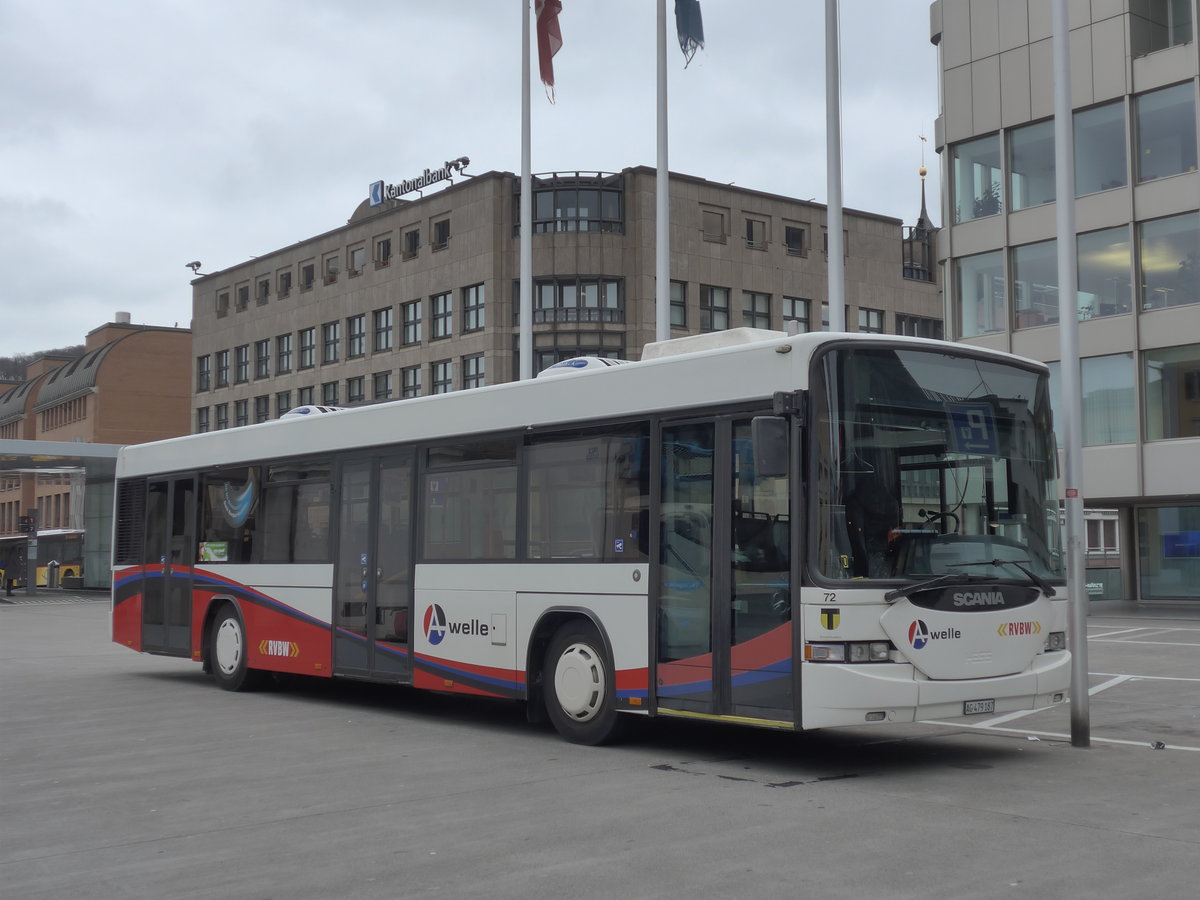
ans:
(138, 135)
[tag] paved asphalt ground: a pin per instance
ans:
(130, 776)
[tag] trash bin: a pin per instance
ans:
(52, 574)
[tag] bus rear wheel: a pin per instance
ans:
(579, 686)
(227, 646)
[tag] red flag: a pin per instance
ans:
(549, 39)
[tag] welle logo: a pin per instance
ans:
(436, 626)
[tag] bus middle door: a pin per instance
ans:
(373, 580)
(169, 556)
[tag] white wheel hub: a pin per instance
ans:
(229, 646)
(579, 682)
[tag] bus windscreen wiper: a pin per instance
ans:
(1042, 583)
(950, 578)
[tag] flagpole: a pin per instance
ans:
(835, 257)
(662, 220)
(525, 342)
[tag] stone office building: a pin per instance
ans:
(420, 296)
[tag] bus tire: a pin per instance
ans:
(578, 685)
(228, 650)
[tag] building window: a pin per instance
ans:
(576, 300)
(1031, 165)
(410, 316)
(356, 336)
(1171, 379)
(203, 373)
(241, 412)
(441, 312)
(202, 420)
(411, 380)
(241, 363)
(283, 354)
(304, 396)
(1100, 149)
(356, 260)
(329, 393)
(919, 326)
(796, 309)
(330, 268)
(262, 408)
(441, 234)
(714, 308)
(307, 276)
(1158, 24)
(473, 303)
(1035, 284)
(243, 296)
(679, 304)
(1105, 260)
(1169, 552)
(442, 376)
(383, 252)
(1166, 132)
(381, 386)
(979, 292)
(308, 348)
(473, 372)
(382, 324)
(1109, 414)
(412, 243)
(284, 283)
(356, 389)
(222, 304)
(793, 240)
(870, 321)
(756, 234)
(222, 368)
(264, 291)
(585, 204)
(283, 402)
(1167, 256)
(331, 342)
(262, 359)
(713, 223)
(976, 176)
(756, 309)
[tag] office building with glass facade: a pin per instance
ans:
(1134, 76)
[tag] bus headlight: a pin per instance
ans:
(1056, 640)
(852, 651)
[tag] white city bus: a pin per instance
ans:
(784, 531)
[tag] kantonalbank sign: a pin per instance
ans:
(381, 191)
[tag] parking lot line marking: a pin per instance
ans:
(1113, 633)
(1151, 677)
(1150, 643)
(1054, 734)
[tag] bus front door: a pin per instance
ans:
(373, 580)
(169, 556)
(724, 604)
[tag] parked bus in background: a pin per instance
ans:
(59, 556)
(788, 532)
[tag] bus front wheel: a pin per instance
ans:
(579, 686)
(229, 652)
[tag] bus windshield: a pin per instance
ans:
(933, 462)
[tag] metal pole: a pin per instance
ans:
(1072, 404)
(662, 212)
(833, 162)
(526, 246)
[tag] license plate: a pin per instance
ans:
(975, 707)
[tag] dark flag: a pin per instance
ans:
(691, 28)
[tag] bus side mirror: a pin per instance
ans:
(769, 436)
